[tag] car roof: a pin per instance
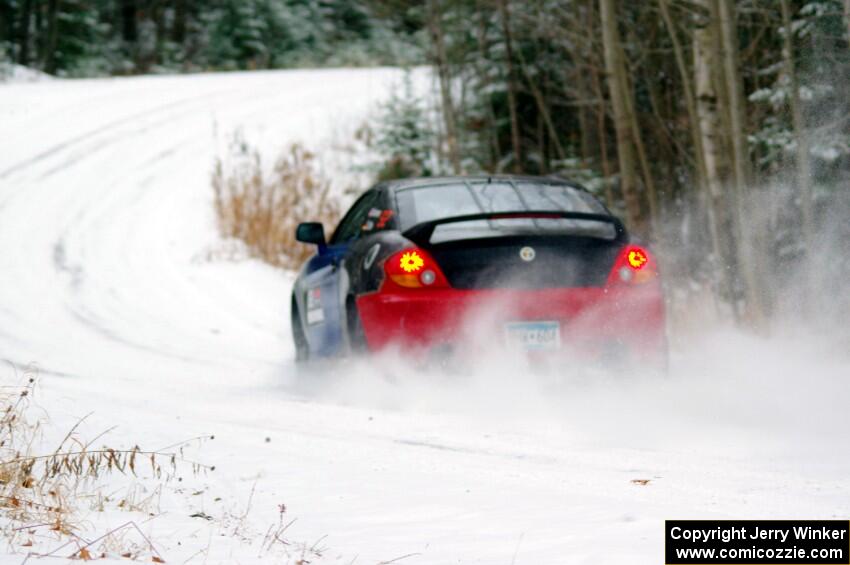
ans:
(402, 184)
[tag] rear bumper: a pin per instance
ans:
(592, 320)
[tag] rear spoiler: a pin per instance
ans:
(421, 233)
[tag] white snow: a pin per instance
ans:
(106, 227)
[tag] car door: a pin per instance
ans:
(326, 283)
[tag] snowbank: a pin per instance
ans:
(12, 73)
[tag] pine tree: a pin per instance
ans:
(80, 43)
(405, 138)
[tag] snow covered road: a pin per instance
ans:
(106, 283)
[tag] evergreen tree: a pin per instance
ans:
(405, 138)
(79, 47)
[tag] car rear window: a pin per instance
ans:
(426, 203)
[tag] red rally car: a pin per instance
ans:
(534, 263)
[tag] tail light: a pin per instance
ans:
(414, 268)
(634, 265)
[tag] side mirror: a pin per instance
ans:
(311, 232)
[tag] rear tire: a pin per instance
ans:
(356, 336)
(302, 348)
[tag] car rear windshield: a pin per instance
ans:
(425, 203)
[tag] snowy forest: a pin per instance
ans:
(719, 129)
(119, 37)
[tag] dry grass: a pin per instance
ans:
(42, 492)
(262, 210)
(45, 497)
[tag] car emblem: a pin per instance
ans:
(527, 254)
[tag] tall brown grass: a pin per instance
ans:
(263, 209)
(42, 491)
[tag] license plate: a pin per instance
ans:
(533, 336)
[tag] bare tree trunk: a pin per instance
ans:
(49, 61)
(715, 155)
(38, 39)
(492, 130)
(542, 146)
(690, 100)
(615, 70)
(731, 69)
(803, 165)
(178, 29)
(603, 139)
(748, 248)
(157, 14)
(580, 79)
(436, 30)
(601, 108)
(512, 103)
(584, 127)
(24, 33)
(7, 23)
(847, 17)
(129, 31)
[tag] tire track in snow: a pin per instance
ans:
(71, 143)
(113, 208)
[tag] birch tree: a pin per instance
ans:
(688, 93)
(444, 76)
(715, 155)
(803, 164)
(747, 246)
(516, 142)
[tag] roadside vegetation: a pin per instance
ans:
(81, 499)
(262, 208)
(44, 492)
